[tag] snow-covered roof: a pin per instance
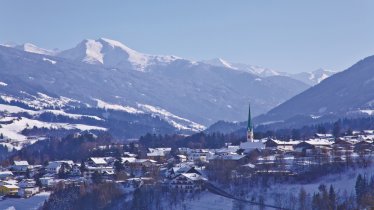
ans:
(98, 161)
(249, 165)
(228, 157)
(252, 145)
(319, 142)
(21, 163)
(5, 173)
(144, 160)
(324, 135)
(11, 186)
(279, 142)
(193, 176)
(156, 153)
(128, 159)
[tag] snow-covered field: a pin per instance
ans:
(13, 130)
(206, 201)
(31, 203)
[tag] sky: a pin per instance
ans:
(285, 35)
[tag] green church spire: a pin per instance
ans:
(249, 126)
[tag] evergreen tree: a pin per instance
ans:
(332, 197)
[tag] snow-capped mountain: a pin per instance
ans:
(314, 77)
(253, 69)
(113, 54)
(103, 69)
(28, 47)
(343, 94)
(310, 78)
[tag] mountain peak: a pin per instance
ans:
(219, 62)
(32, 48)
(113, 54)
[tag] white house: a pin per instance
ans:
(188, 182)
(20, 166)
(54, 166)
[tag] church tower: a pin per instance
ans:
(249, 126)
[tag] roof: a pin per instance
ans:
(10, 186)
(98, 160)
(193, 176)
(228, 157)
(252, 145)
(128, 159)
(21, 163)
(5, 173)
(279, 142)
(144, 160)
(156, 153)
(249, 165)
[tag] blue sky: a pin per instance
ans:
(289, 36)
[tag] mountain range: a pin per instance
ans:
(165, 93)
(310, 78)
(349, 93)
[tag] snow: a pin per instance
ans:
(113, 54)
(15, 109)
(367, 111)
(13, 130)
(72, 116)
(28, 47)
(253, 69)
(206, 201)
(106, 105)
(31, 203)
(93, 52)
(176, 121)
(49, 60)
(39, 101)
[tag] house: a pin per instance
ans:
(97, 161)
(324, 136)
(363, 146)
(5, 175)
(280, 145)
(8, 189)
(199, 155)
(247, 147)
(48, 181)
(158, 154)
(27, 188)
(304, 147)
(28, 192)
(310, 145)
(181, 158)
(20, 166)
(180, 169)
(55, 166)
(27, 183)
(188, 182)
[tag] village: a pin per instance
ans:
(188, 170)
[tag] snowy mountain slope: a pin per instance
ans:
(341, 94)
(198, 92)
(314, 77)
(113, 54)
(253, 69)
(66, 114)
(310, 78)
(29, 47)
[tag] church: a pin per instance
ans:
(251, 143)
